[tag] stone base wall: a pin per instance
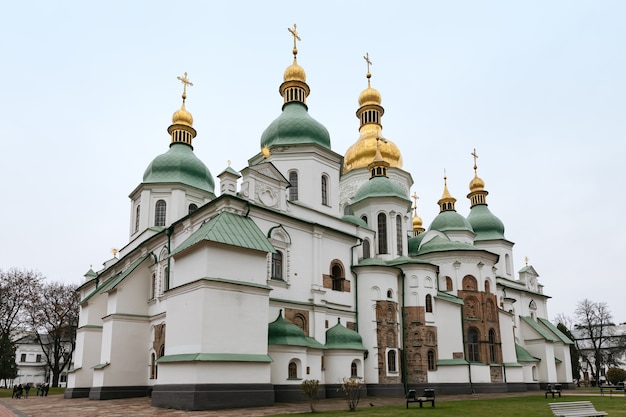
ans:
(212, 396)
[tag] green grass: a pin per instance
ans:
(535, 405)
(4, 393)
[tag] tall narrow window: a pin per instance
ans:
(159, 213)
(337, 275)
(382, 233)
(473, 354)
(391, 361)
(152, 366)
(293, 370)
(399, 239)
(492, 346)
(153, 286)
(192, 207)
(354, 370)
(431, 360)
(429, 303)
(293, 189)
(449, 284)
(277, 265)
(366, 249)
(137, 213)
(487, 286)
(324, 190)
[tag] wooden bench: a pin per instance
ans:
(575, 409)
(428, 396)
(556, 389)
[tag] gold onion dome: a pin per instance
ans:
(476, 184)
(417, 221)
(370, 111)
(182, 116)
(294, 72)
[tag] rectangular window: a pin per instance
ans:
(399, 238)
(324, 190)
(23, 357)
(38, 359)
(382, 233)
(293, 189)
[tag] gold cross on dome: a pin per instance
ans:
(475, 155)
(186, 83)
(415, 198)
(366, 57)
(296, 36)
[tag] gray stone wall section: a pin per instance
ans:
(212, 396)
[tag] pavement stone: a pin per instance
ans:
(57, 406)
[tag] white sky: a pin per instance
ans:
(537, 87)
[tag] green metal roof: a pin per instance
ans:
(450, 221)
(179, 165)
(350, 218)
(380, 187)
(282, 332)
(295, 126)
(115, 280)
(229, 229)
(485, 224)
(539, 329)
(449, 362)
(340, 337)
(449, 297)
(557, 332)
(215, 357)
(414, 244)
(523, 355)
(441, 244)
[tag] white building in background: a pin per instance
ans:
(31, 362)
(308, 264)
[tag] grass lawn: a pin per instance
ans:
(4, 393)
(535, 405)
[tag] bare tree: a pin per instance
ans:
(596, 329)
(53, 313)
(16, 287)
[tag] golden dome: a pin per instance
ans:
(476, 184)
(417, 222)
(182, 116)
(361, 153)
(370, 96)
(294, 72)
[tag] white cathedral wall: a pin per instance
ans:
(230, 318)
(449, 373)
(546, 367)
(214, 373)
(337, 365)
(507, 337)
(449, 329)
(481, 374)
(504, 267)
(86, 355)
(281, 356)
(515, 374)
(210, 260)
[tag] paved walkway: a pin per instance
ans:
(57, 406)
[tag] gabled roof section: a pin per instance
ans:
(266, 170)
(229, 229)
(449, 297)
(523, 355)
(115, 280)
(539, 329)
(557, 332)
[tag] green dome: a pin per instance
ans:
(380, 187)
(281, 332)
(447, 221)
(339, 337)
(485, 224)
(179, 165)
(295, 127)
(414, 244)
(441, 244)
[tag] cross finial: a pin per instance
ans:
(526, 259)
(186, 83)
(296, 37)
(415, 198)
(475, 155)
(366, 57)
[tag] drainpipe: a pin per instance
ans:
(356, 286)
(168, 232)
(402, 315)
(469, 365)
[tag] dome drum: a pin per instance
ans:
(294, 90)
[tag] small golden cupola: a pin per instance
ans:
(369, 113)
(181, 129)
(478, 194)
(446, 202)
(294, 86)
(418, 225)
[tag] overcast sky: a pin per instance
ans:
(537, 87)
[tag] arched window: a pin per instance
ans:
(152, 366)
(492, 346)
(399, 238)
(166, 279)
(366, 249)
(192, 207)
(473, 354)
(364, 218)
(137, 213)
(300, 321)
(431, 360)
(324, 190)
(337, 277)
(354, 370)
(487, 286)
(293, 189)
(292, 370)
(382, 233)
(277, 265)
(390, 293)
(159, 213)
(391, 361)
(449, 286)
(507, 263)
(429, 303)
(470, 283)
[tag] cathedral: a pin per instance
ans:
(307, 264)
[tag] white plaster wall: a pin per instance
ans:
(507, 337)
(449, 330)
(281, 356)
(214, 373)
(337, 364)
(86, 356)
(545, 351)
(480, 373)
(515, 374)
(449, 373)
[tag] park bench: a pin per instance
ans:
(610, 389)
(554, 389)
(575, 409)
(428, 396)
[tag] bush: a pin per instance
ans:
(310, 388)
(351, 387)
(615, 375)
